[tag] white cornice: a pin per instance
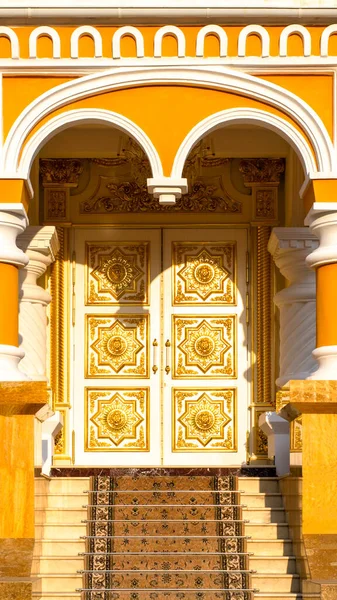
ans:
(177, 11)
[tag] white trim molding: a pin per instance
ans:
(325, 37)
(49, 32)
(14, 40)
(129, 31)
(299, 30)
(93, 115)
(261, 32)
(171, 30)
(323, 161)
(216, 31)
(91, 32)
(245, 116)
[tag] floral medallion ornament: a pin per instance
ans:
(117, 419)
(117, 273)
(204, 420)
(204, 273)
(204, 347)
(117, 346)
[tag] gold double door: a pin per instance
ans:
(160, 358)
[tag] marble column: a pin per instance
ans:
(296, 302)
(40, 245)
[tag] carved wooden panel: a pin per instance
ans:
(204, 273)
(204, 346)
(117, 273)
(117, 419)
(204, 420)
(117, 346)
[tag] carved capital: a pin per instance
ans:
(257, 171)
(60, 171)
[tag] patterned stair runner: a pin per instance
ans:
(161, 537)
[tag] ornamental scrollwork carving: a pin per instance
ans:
(261, 170)
(60, 171)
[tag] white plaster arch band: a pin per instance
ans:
(76, 117)
(169, 30)
(129, 31)
(219, 78)
(328, 31)
(246, 116)
(299, 30)
(44, 31)
(212, 30)
(13, 38)
(257, 30)
(91, 32)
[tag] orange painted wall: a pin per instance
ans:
(9, 304)
(166, 113)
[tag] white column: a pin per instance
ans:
(13, 221)
(277, 430)
(41, 246)
(297, 302)
(322, 220)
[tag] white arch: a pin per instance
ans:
(230, 80)
(92, 115)
(215, 30)
(86, 30)
(300, 30)
(244, 116)
(328, 31)
(51, 33)
(169, 30)
(134, 33)
(13, 38)
(258, 30)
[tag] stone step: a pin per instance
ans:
(263, 547)
(262, 500)
(169, 528)
(273, 564)
(285, 596)
(258, 484)
(144, 595)
(264, 515)
(269, 582)
(164, 482)
(267, 531)
(169, 561)
(163, 544)
(161, 498)
(60, 500)
(158, 513)
(68, 485)
(182, 579)
(60, 531)
(57, 564)
(47, 547)
(55, 515)
(52, 582)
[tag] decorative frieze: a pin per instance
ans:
(263, 176)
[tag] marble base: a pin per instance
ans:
(15, 589)
(321, 551)
(240, 471)
(16, 555)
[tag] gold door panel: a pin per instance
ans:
(204, 420)
(204, 273)
(117, 273)
(117, 419)
(204, 346)
(117, 346)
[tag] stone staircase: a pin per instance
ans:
(175, 548)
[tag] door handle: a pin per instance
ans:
(168, 356)
(155, 356)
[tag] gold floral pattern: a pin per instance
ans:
(204, 420)
(117, 273)
(204, 346)
(117, 419)
(204, 273)
(117, 346)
